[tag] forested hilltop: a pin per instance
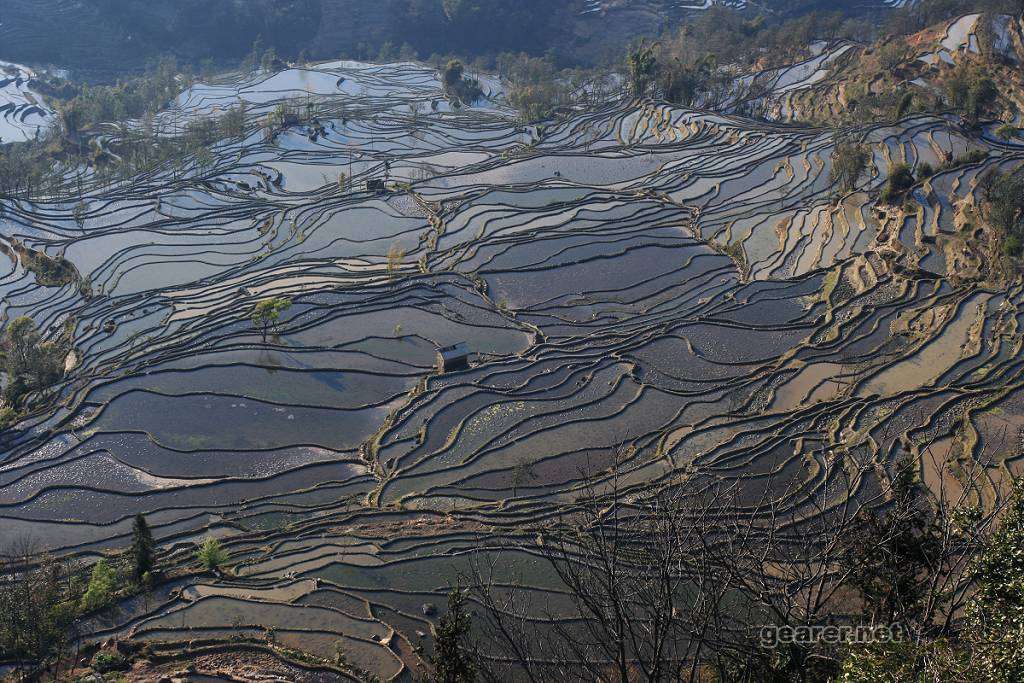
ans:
(107, 38)
(119, 36)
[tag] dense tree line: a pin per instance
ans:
(131, 98)
(231, 26)
(480, 27)
(223, 30)
(118, 36)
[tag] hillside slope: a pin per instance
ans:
(107, 37)
(116, 36)
(846, 82)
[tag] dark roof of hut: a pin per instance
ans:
(459, 350)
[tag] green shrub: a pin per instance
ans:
(849, 162)
(904, 660)
(900, 180)
(50, 271)
(925, 170)
(8, 416)
(643, 67)
(210, 554)
(102, 584)
(970, 90)
(232, 123)
(105, 662)
(38, 605)
(1006, 132)
(986, 645)
(892, 54)
(972, 156)
(534, 88)
(906, 102)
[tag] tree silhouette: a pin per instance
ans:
(143, 549)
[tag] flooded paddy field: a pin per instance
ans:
(23, 113)
(674, 293)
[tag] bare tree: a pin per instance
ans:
(638, 601)
(679, 581)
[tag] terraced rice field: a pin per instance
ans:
(678, 287)
(23, 114)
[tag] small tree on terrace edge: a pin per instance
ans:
(143, 549)
(101, 589)
(452, 661)
(458, 87)
(849, 161)
(642, 64)
(211, 555)
(267, 312)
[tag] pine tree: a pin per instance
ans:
(143, 554)
(452, 660)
